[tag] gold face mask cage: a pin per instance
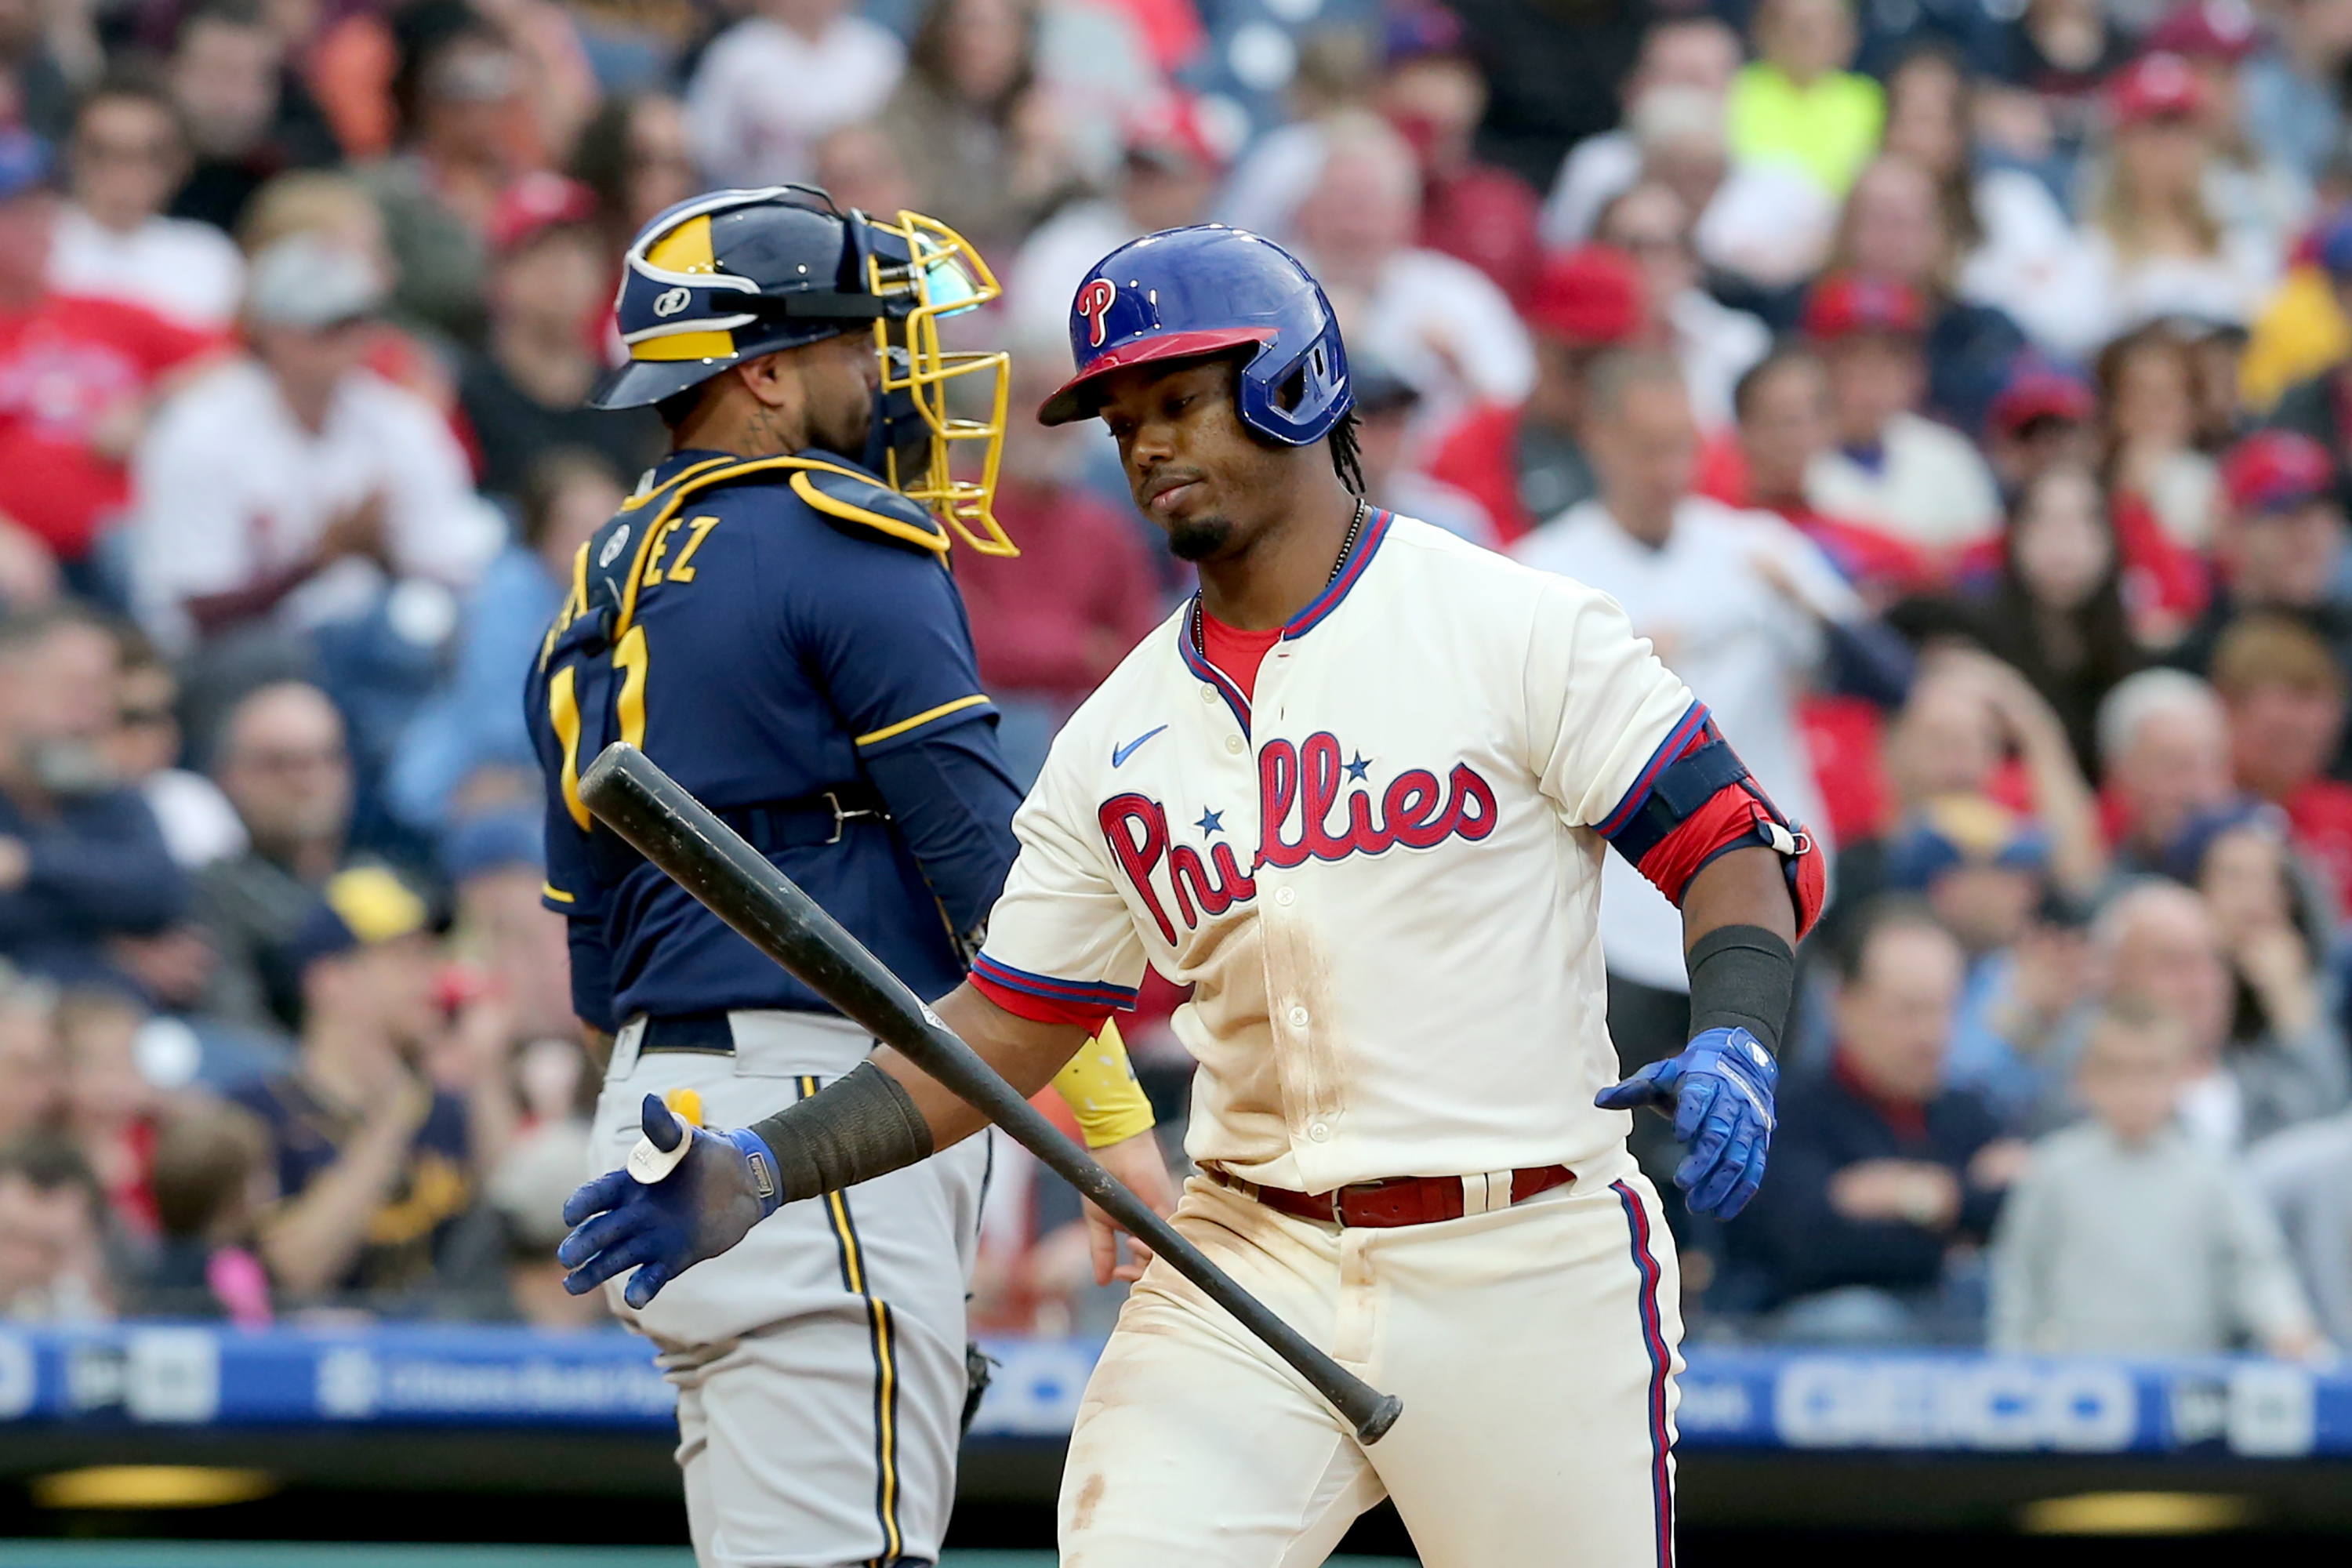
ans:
(947, 277)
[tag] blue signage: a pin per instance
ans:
(176, 1374)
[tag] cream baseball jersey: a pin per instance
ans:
(1381, 876)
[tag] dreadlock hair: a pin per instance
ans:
(1347, 457)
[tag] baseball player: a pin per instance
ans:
(771, 617)
(1356, 792)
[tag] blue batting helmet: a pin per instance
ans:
(1183, 293)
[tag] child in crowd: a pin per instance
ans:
(2125, 1235)
(212, 1181)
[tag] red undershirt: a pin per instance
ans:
(1236, 652)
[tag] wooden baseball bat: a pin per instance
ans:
(678, 833)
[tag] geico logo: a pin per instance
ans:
(1827, 1402)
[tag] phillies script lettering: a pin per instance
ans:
(1298, 792)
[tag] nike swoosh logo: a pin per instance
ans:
(1118, 754)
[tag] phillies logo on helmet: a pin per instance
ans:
(1094, 308)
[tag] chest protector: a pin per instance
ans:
(593, 655)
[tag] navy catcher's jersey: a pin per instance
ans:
(772, 632)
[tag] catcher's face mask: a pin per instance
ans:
(939, 430)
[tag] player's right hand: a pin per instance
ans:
(701, 1200)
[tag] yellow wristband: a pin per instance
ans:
(1099, 1086)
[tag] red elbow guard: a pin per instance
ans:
(1808, 870)
(1735, 816)
(1696, 801)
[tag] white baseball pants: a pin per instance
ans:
(1534, 1347)
(819, 1365)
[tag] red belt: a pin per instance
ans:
(1400, 1200)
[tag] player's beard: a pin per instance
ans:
(1199, 538)
(843, 430)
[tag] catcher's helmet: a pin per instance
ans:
(733, 274)
(1209, 289)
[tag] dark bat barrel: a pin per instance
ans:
(734, 881)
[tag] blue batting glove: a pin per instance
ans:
(1720, 1092)
(703, 1201)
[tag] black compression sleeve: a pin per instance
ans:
(1741, 977)
(864, 1126)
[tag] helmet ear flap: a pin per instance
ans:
(1298, 401)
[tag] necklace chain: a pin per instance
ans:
(1347, 548)
(1348, 545)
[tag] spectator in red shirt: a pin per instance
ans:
(1526, 465)
(2284, 695)
(2167, 492)
(1470, 210)
(76, 376)
(1049, 622)
(2280, 546)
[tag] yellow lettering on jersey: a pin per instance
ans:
(637, 575)
(653, 551)
(563, 713)
(629, 658)
(679, 572)
(717, 470)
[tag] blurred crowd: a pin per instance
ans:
(1957, 393)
